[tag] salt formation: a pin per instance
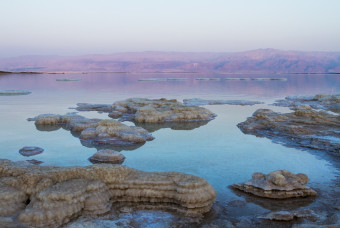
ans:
(34, 161)
(96, 131)
(319, 101)
(68, 79)
(208, 79)
(162, 79)
(30, 150)
(198, 102)
(143, 110)
(288, 216)
(14, 92)
(51, 196)
(280, 184)
(304, 128)
(258, 79)
(107, 156)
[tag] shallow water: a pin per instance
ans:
(217, 151)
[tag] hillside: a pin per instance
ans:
(256, 61)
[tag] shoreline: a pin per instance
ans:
(155, 72)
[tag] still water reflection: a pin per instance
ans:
(217, 151)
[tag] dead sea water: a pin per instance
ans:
(217, 151)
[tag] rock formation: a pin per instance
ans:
(288, 216)
(107, 156)
(304, 128)
(280, 184)
(319, 101)
(95, 131)
(143, 110)
(42, 196)
(30, 151)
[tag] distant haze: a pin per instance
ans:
(256, 61)
(79, 27)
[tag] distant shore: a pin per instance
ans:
(113, 72)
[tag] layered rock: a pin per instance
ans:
(55, 195)
(319, 101)
(143, 110)
(12, 199)
(107, 156)
(95, 131)
(303, 128)
(280, 184)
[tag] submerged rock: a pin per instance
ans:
(208, 79)
(288, 216)
(304, 128)
(270, 79)
(14, 92)
(162, 79)
(258, 79)
(319, 101)
(199, 102)
(30, 151)
(96, 131)
(34, 162)
(107, 156)
(280, 184)
(68, 79)
(55, 195)
(94, 107)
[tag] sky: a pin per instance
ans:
(78, 27)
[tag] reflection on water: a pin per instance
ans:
(152, 127)
(217, 151)
(275, 204)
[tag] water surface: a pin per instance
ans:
(217, 151)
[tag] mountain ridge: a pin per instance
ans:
(253, 61)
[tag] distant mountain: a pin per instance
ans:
(256, 61)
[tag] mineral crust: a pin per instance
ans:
(144, 110)
(94, 131)
(43, 196)
(280, 184)
(303, 128)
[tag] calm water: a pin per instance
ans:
(217, 151)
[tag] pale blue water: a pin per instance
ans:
(217, 151)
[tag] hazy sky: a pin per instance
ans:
(74, 27)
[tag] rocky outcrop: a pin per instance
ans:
(94, 131)
(45, 196)
(319, 101)
(94, 107)
(143, 110)
(303, 128)
(107, 156)
(199, 102)
(280, 184)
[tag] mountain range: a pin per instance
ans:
(255, 61)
